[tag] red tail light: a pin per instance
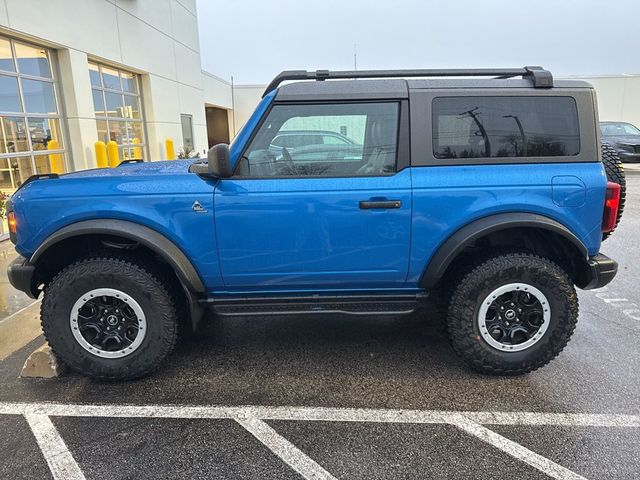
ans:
(611, 204)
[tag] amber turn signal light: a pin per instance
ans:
(11, 220)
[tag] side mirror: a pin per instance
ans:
(219, 162)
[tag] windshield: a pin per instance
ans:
(618, 129)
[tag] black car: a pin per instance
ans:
(624, 137)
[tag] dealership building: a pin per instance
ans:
(73, 73)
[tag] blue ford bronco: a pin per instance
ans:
(486, 194)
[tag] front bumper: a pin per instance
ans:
(628, 157)
(20, 274)
(602, 270)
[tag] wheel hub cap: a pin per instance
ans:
(108, 323)
(514, 317)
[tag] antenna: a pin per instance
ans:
(233, 109)
(355, 56)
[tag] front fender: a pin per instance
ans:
(157, 242)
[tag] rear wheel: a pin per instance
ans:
(512, 314)
(109, 318)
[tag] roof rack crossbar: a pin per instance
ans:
(540, 77)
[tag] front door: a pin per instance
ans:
(317, 201)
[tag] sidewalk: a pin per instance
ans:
(632, 168)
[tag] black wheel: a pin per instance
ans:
(512, 314)
(109, 318)
(615, 173)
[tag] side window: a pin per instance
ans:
(489, 127)
(325, 140)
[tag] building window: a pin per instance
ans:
(187, 132)
(116, 101)
(30, 130)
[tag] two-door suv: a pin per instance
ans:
(487, 196)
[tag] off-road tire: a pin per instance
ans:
(123, 274)
(480, 281)
(615, 173)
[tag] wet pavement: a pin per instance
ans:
(396, 365)
(11, 300)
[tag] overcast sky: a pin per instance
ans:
(255, 39)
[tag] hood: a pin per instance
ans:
(168, 167)
(623, 139)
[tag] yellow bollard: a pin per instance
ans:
(112, 154)
(101, 155)
(137, 151)
(55, 159)
(171, 153)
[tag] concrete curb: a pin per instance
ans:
(42, 363)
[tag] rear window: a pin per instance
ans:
(490, 127)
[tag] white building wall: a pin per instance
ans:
(245, 100)
(157, 39)
(618, 97)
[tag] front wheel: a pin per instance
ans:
(512, 314)
(109, 318)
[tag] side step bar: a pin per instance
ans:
(349, 305)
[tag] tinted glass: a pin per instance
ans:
(38, 96)
(44, 162)
(32, 60)
(94, 75)
(118, 132)
(9, 98)
(135, 133)
(22, 169)
(131, 109)
(618, 129)
(45, 133)
(6, 57)
(290, 141)
(334, 140)
(13, 135)
(103, 133)
(5, 176)
(129, 83)
(488, 127)
(114, 104)
(187, 131)
(110, 78)
(98, 102)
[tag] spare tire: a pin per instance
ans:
(615, 173)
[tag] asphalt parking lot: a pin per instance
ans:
(341, 397)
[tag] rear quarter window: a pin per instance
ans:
(510, 126)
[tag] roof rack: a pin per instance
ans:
(540, 77)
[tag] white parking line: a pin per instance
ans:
(14, 314)
(55, 451)
(321, 414)
(252, 418)
(283, 448)
(517, 451)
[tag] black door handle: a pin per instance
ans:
(374, 204)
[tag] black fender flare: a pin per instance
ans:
(146, 236)
(466, 235)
